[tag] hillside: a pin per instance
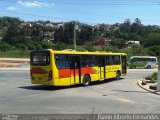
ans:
(130, 37)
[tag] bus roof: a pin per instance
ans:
(143, 57)
(70, 51)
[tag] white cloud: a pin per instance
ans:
(31, 3)
(11, 8)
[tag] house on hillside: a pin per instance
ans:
(49, 25)
(39, 24)
(49, 36)
(57, 26)
(131, 43)
(102, 42)
(26, 24)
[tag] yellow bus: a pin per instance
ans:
(70, 67)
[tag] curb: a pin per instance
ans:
(15, 68)
(147, 89)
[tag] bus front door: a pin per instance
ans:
(101, 65)
(124, 64)
(75, 70)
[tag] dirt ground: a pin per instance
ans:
(13, 62)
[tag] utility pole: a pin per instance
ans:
(158, 81)
(74, 39)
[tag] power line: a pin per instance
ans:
(94, 2)
(84, 13)
(102, 2)
(40, 16)
(60, 19)
(35, 15)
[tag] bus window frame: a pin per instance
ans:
(61, 65)
(42, 62)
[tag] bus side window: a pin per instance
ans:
(72, 64)
(93, 60)
(62, 61)
(134, 60)
(138, 60)
(85, 61)
(153, 60)
(109, 60)
(148, 59)
(116, 59)
(143, 59)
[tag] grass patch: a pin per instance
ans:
(154, 77)
(15, 54)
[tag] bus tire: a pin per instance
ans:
(148, 67)
(118, 75)
(86, 80)
(134, 66)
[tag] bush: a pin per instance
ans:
(154, 77)
(15, 54)
(5, 47)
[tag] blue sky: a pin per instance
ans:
(85, 11)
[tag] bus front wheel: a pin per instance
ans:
(86, 80)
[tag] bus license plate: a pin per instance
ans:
(40, 79)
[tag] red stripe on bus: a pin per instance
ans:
(38, 70)
(87, 70)
(63, 73)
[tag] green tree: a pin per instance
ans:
(59, 35)
(126, 26)
(68, 33)
(5, 47)
(46, 45)
(153, 39)
(12, 35)
(139, 50)
(118, 42)
(85, 34)
(155, 49)
(21, 47)
(136, 26)
(31, 46)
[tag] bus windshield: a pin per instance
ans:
(130, 60)
(40, 58)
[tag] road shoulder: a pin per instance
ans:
(146, 87)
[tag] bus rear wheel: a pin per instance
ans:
(86, 80)
(118, 75)
(148, 67)
(134, 66)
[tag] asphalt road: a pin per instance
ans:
(18, 95)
